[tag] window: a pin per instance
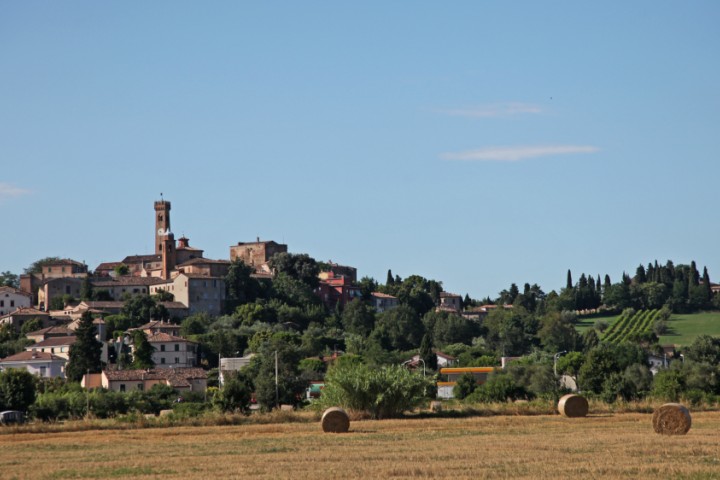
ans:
(177, 347)
(177, 360)
(122, 387)
(67, 289)
(141, 387)
(162, 348)
(162, 360)
(43, 371)
(2, 303)
(12, 303)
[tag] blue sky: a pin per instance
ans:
(476, 143)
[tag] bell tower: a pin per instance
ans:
(162, 224)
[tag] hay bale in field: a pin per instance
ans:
(436, 406)
(671, 419)
(573, 406)
(335, 420)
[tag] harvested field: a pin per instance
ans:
(597, 446)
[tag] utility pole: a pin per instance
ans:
(277, 392)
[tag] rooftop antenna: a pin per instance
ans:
(161, 197)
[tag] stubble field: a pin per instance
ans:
(601, 446)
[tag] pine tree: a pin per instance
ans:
(427, 354)
(142, 352)
(85, 352)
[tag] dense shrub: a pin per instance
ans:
(378, 392)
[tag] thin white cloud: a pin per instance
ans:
(515, 154)
(494, 110)
(10, 191)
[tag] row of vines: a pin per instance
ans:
(630, 323)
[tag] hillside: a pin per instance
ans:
(683, 328)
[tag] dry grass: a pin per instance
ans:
(541, 446)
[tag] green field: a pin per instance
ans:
(683, 327)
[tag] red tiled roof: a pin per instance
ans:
(381, 295)
(14, 290)
(56, 330)
(160, 337)
(449, 295)
(54, 342)
(196, 261)
(177, 377)
(29, 356)
(27, 311)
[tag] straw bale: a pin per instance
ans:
(671, 419)
(335, 420)
(573, 406)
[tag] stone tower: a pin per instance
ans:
(162, 224)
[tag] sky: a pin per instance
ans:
(476, 143)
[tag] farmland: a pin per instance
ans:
(544, 446)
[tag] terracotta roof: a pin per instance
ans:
(64, 261)
(173, 305)
(127, 281)
(449, 295)
(382, 295)
(54, 342)
(196, 261)
(29, 356)
(27, 311)
(176, 377)
(14, 290)
(103, 305)
(142, 258)
(156, 324)
(160, 337)
(56, 330)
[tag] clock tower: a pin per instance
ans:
(162, 224)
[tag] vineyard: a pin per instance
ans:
(630, 323)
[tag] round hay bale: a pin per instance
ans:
(436, 406)
(573, 406)
(335, 420)
(671, 419)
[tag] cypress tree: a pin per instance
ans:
(569, 283)
(706, 285)
(142, 353)
(85, 352)
(390, 280)
(607, 282)
(640, 276)
(427, 354)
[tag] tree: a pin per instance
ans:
(399, 328)
(367, 285)
(85, 352)
(36, 266)
(235, 394)
(161, 295)
(86, 289)
(141, 309)
(704, 349)
(9, 279)
(241, 286)
(298, 266)
(17, 389)
(427, 354)
(557, 335)
(569, 282)
(31, 325)
(121, 270)
(142, 351)
(465, 385)
(358, 318)
(390, 280)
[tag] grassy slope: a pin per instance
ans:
(683, 328)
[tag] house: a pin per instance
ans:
(257, 254)
(22, 315)
(450, 302)
(233, 365)
(171, 351)
(12, 298)
(49, 332)
(333, 269)
(336, 290)
(158, 326)
(205, 267)
(443, 360)
(185, 253)
(57, 288)
(43, 364)
(197, 293)
(181, 379)
(59, 346)
(63, 268)
(119, 288)
(383, 302)
(480, 312)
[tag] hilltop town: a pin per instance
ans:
(271, 323)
